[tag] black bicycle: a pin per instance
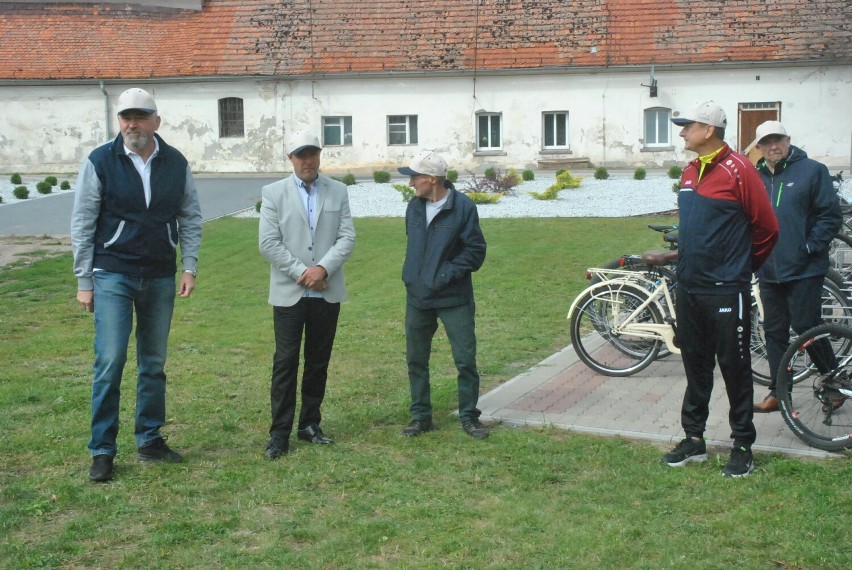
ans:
(816, 406)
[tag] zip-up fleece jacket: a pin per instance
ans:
(440, 257)
(727, 227)
(808, 213)
(112, 229)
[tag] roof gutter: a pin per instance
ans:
(555, 70)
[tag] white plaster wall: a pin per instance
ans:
(51, 128)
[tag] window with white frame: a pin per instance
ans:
(231, 122)
(658, 127)
(555, 127)
(336, 131)
(402, 129)
(488, 126)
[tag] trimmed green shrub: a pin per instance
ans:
(381, 176)
(349, 179)
(640, 174)
(406, 191)
(561, 171)
(257, 205)
(675, 172)
(512, 178)
(564, 180)
(15, 179)
(1, 199)
(51, 180)
(676, 187)
(601, 173)
(528, 175)
(484, 197)
(21, 192)
(44, 187)
(65, 185)
(490, 173)
(452, 175)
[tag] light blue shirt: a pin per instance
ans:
(308, 194)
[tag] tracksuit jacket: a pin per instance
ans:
(807, 207)
(727, 227)
(440, 257)
(112, 229)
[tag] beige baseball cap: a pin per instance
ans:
(709, 113)
(135, 99)
(300, 140)
(426, 162)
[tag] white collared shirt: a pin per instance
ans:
(143, 167)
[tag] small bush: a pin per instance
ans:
(561, 171)
(512, 178)
(44, 187)
(601, 173)
(640, 174)
(498, 183)
(406, 191)
(65, 185)
(51, 180)
(676, 187)
(490, 173)
(484, 197)
(257, 205)
(15, 179)
(21, 192)
(528, 175)
(564, 180)
(381, 176)
(349, 179)
(675, 172)
(452, 175)
(1, 199)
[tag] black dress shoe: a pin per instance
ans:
(314, 434)
(102, 468)
(277, 446)
(416, 427)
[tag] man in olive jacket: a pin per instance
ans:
(445, 245)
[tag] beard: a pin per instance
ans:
(137, 140)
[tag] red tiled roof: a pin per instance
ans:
(300, 37)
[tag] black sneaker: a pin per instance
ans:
(277, 446)
(416, 427)
(740, 464)
(157, 450)
(102, 469)
(845, 384)
(474, 428)
(315, 435)
(686, 451)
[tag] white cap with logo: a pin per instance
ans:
(769, 128)
(300, 140)
(135, 99)
(709, 113)
(426, 162)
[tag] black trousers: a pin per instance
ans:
(711, 327)
(796, 304)
(317, 318)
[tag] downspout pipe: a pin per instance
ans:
(107, 129)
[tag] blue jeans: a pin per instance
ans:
(460, 325)
(116, 297)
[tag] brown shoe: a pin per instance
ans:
(769, 404)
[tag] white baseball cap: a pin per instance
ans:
(769, 128)
(136, 99)
(709, 113)
(426, 162)
(300, 140)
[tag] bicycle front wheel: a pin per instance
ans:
(814, 409)
(594, 327)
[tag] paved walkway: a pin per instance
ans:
(563, 392)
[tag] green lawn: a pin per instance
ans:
(524, 498)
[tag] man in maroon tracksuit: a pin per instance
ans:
(727, 230)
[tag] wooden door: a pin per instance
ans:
(751, 115)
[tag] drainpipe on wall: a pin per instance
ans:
(107, 130)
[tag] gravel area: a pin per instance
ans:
(7, 188)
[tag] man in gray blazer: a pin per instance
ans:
(306, 233)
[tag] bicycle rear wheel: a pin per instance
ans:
(595, 320)
(814, 409)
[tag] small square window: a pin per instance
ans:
(337, 131)
(402, 129)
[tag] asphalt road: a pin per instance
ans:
(219, 196)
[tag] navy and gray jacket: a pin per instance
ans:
(113, 230)
(808, 213)
(440, 257)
